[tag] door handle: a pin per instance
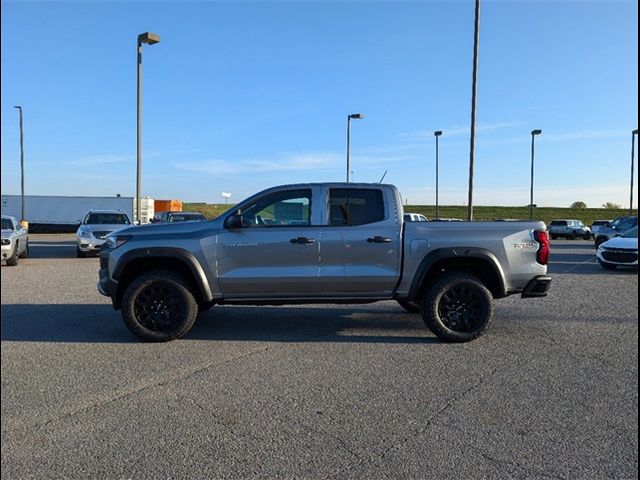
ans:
(302, 240)
(378, 239)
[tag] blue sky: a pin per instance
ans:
(240, 96)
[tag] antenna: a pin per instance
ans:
(384, 175)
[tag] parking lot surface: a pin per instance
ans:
(362, 391)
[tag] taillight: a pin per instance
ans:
(544, 248)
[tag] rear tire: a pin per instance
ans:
(158, 306)
(409, 305)
(12, 261)
(457, 308)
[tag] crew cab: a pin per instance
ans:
(322, 243)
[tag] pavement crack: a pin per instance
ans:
(123, 393)
(526, 468)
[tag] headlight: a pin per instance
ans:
(114, 241)
(84, 232)
(6, 241)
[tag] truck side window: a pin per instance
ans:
(288, 208)
(357, 206)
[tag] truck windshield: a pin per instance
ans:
(107, 219)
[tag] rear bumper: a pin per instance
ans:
(538, 287)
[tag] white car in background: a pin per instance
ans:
(95, 227)
(15, 240)
(414, 217)
(620, 251)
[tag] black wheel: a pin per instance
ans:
(410, 306)
(12, 261)
(607, 266)
(457, 308)
(600, 241)
(554, 237)
(158, 306)
(25, 254)
(586, 236)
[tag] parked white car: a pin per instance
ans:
(619, 251)
(15, 240)
(95, 228)
(415, 217)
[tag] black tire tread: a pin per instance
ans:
(149, 335)
(430, 308)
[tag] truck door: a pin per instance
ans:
(274, 252)
(360, 252)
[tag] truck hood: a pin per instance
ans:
(177, 228)
(8, 233)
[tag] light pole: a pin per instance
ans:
(150, 39)
(358, 116)
(533, 136)
(633, 143)
(21, 164)
(437, 133)
(474, 91)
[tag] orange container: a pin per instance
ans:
(167, 205)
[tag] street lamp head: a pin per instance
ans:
(536, 132)
(20, 108)
(635, 132)
(148, 38)
(359, 116)
(437, 133)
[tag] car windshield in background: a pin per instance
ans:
(7, 224)
(633, 233)
(187, 218)
(107, 219)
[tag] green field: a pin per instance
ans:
(586, 215)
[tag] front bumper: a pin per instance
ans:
(89, 244)
(106, 285)
(7, 250)
(537, 287)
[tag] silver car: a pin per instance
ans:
(95, 227)
(15, 240)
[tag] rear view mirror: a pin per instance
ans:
(233, 221)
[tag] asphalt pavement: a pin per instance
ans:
(348, 391)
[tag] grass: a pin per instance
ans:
(586, 215)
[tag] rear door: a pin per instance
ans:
(360, 253)
(275, 252)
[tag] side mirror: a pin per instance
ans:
(233, 221)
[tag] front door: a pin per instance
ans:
(274, 253)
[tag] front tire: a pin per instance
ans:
(25, 254)
(410, 306)
(12, 261)
(158, 306)
(457, 308)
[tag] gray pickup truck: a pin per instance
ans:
(322, 243)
